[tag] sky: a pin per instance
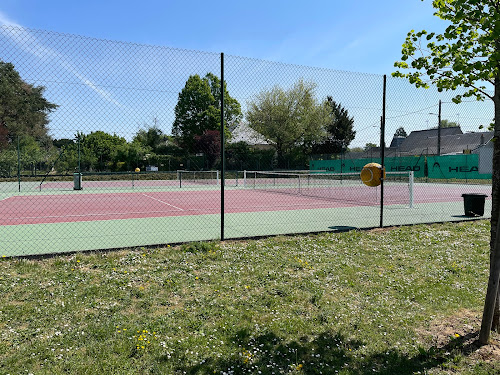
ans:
(358, 35)
(116, 79)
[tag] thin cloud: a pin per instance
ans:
(6, 21)
(26, 41)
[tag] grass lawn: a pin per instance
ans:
(394, 301)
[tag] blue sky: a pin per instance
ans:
(99, 86)
(359, 35)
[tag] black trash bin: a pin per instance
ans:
(77, 181)
(474, 204)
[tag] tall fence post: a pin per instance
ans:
(222, 147)
(382, 151)
(18, 165)
(79, 153)
(439, 130)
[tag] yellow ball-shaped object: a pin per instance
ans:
(372, 174)
(138, 169)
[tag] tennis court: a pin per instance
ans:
(111, 214)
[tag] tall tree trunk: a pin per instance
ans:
(280, 155)
(495, 209)
(4, 135)
(491, 313)
(496, 314)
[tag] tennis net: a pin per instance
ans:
(108, 180)
(198, 177)
(346, 187)
(212, 177)
(123, 180)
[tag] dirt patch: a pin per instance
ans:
(461, 331)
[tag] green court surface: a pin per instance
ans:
(35, 239)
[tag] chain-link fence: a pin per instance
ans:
(106, 144)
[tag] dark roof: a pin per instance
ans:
(453, 141)
(434, 132)
(397, 141)
(424, 142)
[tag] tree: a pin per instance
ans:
(356, 149)
(63, 142)
(151, 137)
(339, 130)
(8, 162)
(448, 124)
(209, 144)
(198, 109)
(289, 118)
(67, 158)
(23, 109)
(400, 132)
(369, 146)
(98, 149)
(466, 55)
(30, 153)
(128, 156)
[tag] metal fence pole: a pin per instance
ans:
(439, 130)
(382, 151)
(18, 165)
(222, 147)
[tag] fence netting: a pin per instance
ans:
(106, 144)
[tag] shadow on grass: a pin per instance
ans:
(342, 228)
(326, 354)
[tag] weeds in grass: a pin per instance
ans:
(200, 247)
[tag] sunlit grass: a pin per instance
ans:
(348, 303)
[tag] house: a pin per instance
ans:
(452, 141)
(243, 133)
(425, 142)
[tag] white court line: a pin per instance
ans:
(85, 215)
(168, 204)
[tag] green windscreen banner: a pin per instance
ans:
(403, 164)
(461, 167)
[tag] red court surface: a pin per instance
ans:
(37, 209)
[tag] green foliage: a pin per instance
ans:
(339, 130)
(30, 151)
(356, 149)
(128, 156)
(23, 109)
(467, 54)
(448, 124)
(400, 132)
(68, 160)
(32, 155)
(23, 121)
(200, 247)
(289, 118)
(152, 137)
(198, 109)
(8, 162)
(98, 148)
(63, 142)
(239, 156)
